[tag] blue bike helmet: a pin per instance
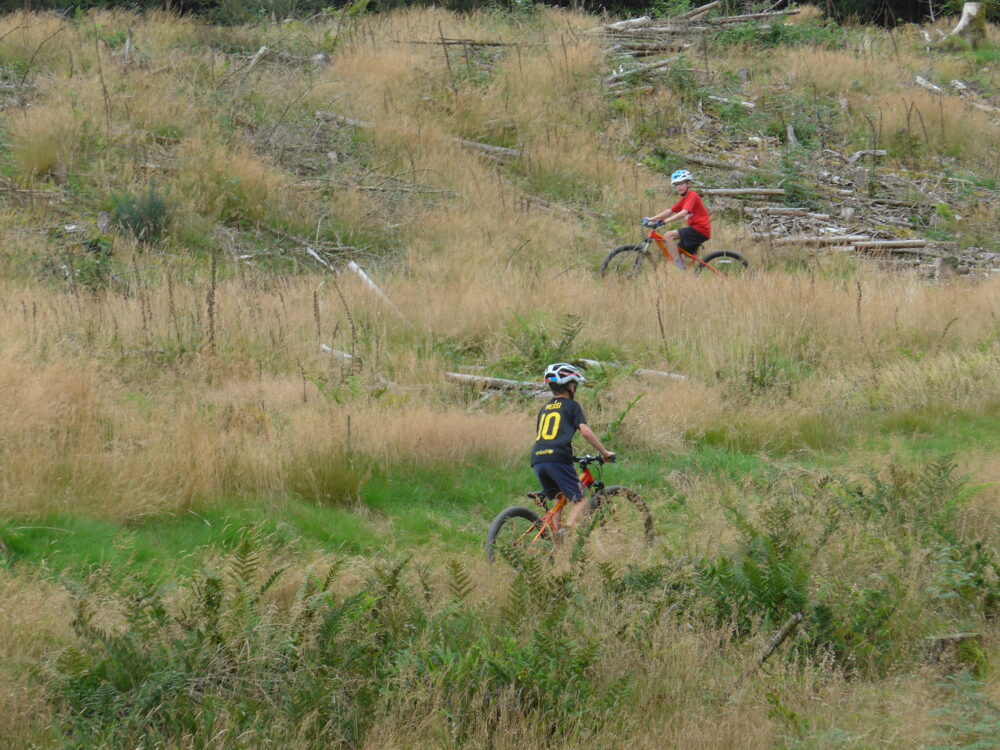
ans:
(681, 175)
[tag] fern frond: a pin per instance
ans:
(459, 580)
(571, 327)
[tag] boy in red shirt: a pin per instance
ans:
(690, 208)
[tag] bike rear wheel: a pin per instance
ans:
(625, 262)
(515, 530)
(725, 262)
(621, 526)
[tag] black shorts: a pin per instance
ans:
(559, 477)
(691, 239)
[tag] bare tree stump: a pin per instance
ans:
(972, 25)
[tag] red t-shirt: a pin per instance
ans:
(697, 214)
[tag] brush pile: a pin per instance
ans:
(646, 36)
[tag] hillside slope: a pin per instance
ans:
(240, 501)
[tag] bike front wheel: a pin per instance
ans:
(621, 528)
(516, 530)
(726, 262)
(625, 262)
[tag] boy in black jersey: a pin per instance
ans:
(557, 424)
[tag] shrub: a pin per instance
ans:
(810, 32)
(144, 216)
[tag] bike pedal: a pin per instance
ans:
(538, 497)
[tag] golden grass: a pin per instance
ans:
(116, 419)
(34, 620)
(43, 137)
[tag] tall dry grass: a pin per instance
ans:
(113, 404)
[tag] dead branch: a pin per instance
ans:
(371, 286)
(780, 637)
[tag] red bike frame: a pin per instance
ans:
(654, 236)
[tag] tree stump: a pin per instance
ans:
(972, 25)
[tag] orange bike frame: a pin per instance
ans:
(548, 521)
(658, 239)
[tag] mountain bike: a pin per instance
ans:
(626, 261)
(618, 523)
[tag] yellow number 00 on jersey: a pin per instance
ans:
(548, 426)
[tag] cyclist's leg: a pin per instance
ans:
(672, 238)
(564, 476)
(690, 240)
(550, 488)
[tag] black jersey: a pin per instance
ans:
(555, 427)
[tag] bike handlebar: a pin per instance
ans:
(585, 461)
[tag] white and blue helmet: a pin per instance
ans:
(681, 175)
(562, 373)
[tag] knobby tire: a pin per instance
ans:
(521, 519)
(625, 261)
(737, 262)
(624, 515)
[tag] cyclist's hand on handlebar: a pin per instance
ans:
(609, 458)
(652, 223)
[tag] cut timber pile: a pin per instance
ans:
(645, 36)
(867, 209)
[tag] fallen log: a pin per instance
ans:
(336, 353)
(737, 192)
(888, 244)
(448, 42)
(858, 155)
(744, 18)
(630, 23)
(648, 49)
(651, 32)
(834, 239)
(706, 162)
(917, 251)
(641, 372)
(639, 71)
(783, 211)
(342, 120)
(894, 202)
(497, 384)
(700, 11)
(748, 105)
(932, 87)
(497, 153)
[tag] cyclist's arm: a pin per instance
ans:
(667, 217)
(590, 437)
